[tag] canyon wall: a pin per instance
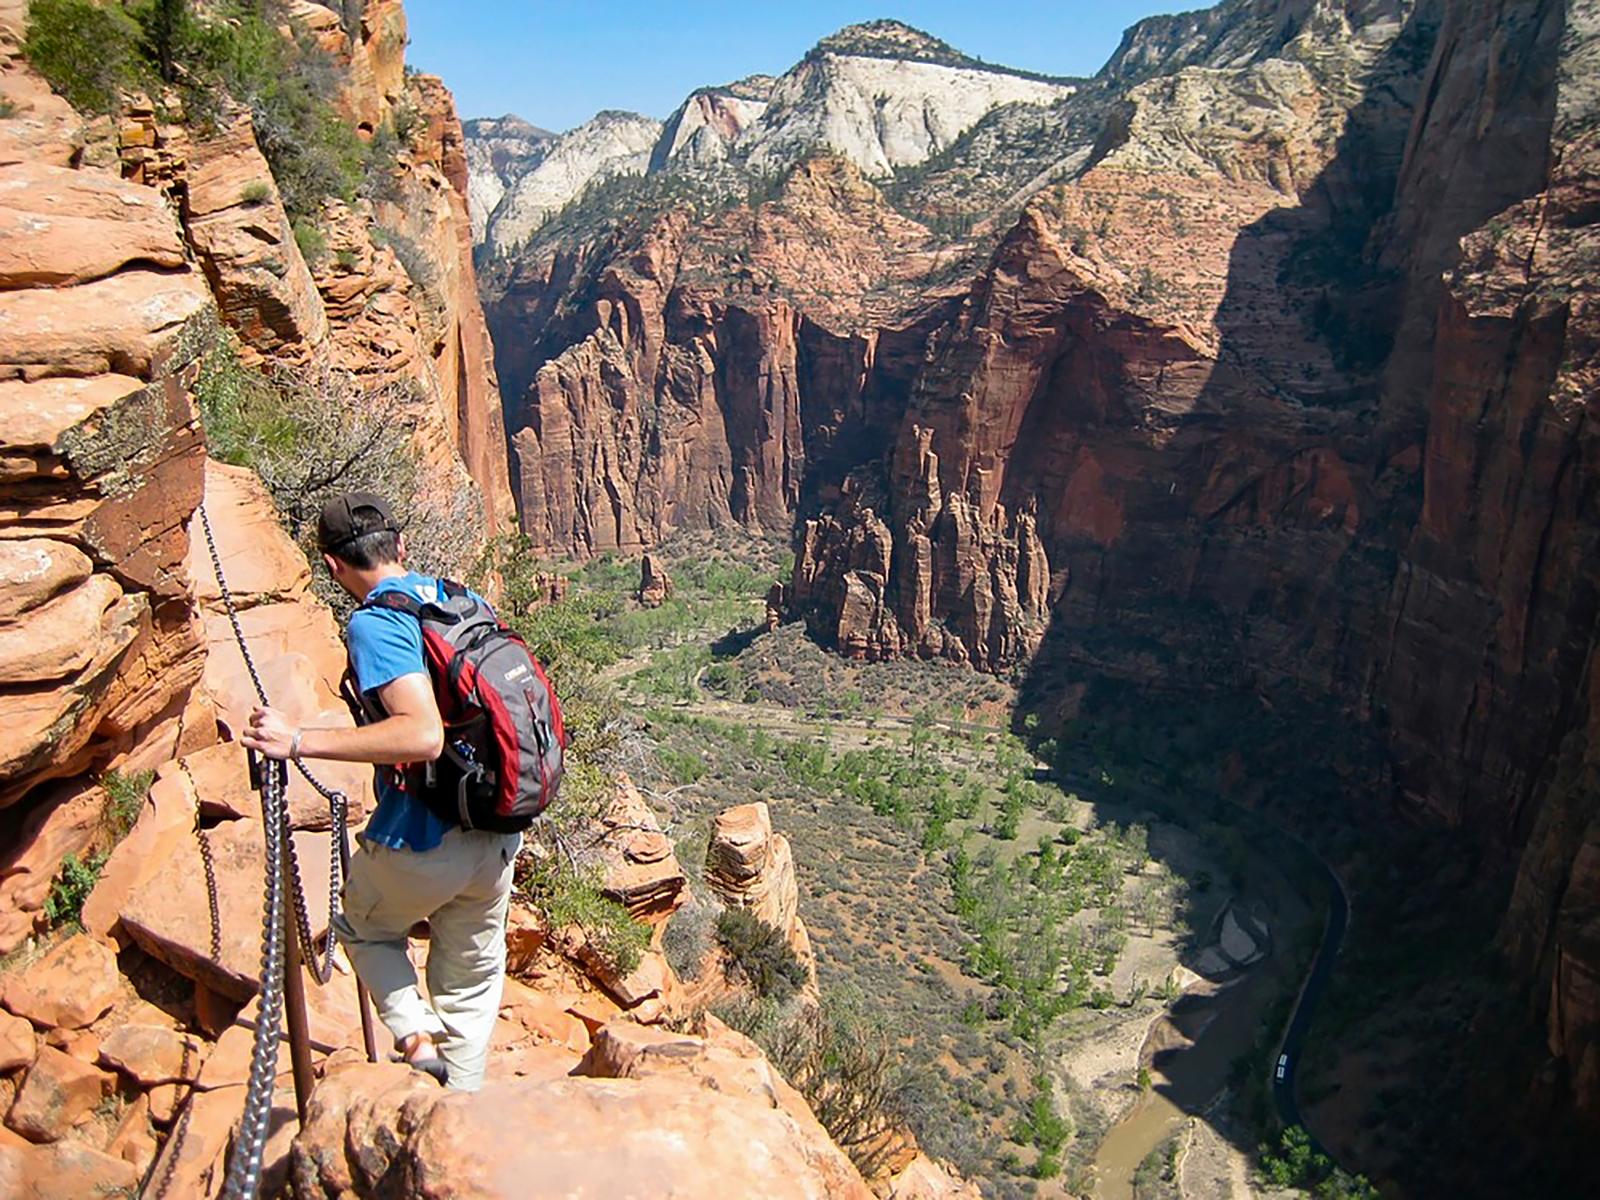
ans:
(1269, 373)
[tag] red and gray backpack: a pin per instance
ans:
(504, 741)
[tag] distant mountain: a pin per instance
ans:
(500, 150)
(882, 95)
(610, 143)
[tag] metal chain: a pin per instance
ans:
(210, 865)
(243, 1178)
(180, 1131)
(338, 803)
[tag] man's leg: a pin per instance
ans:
(467, 958)
(387, 892)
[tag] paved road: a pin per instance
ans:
(1316, 983)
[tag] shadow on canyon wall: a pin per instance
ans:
(1279, 621)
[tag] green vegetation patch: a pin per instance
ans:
(125, 797)
(228, 54)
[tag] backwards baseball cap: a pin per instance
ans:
(353, 515)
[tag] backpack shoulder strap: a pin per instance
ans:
(397, 600)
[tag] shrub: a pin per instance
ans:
(64, 904)
(681, 766)
(289, 85)
(760, 954)
(88, 52)
(313, 432)
(566, 894)
(236, 51)
(689, 937)
(257, 191)
(842, 1061)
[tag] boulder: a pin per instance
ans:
(152, 1054)
(63, 1171)
(49, 725)
(68, 988)
(32, 570)
(18, 1044)
(543, 1016)
(125, 323)
(81, 1044)
(48, 642)
(627, 1050)
(57, 1093)
(64, 819)
(198, 1160)
(638, 863)
(236, 223)
(134, 1141)
(376, 1127)
(168, 916)
(165, 823)
(60, 226)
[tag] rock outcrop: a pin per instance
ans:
(499, 151)
(391, 297)
(749, 866)
(704, 1118)
(609, 144)
(655, 585)
(101, 319)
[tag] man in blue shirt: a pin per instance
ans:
(412, 865)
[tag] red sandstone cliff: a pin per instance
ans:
(1284, 388)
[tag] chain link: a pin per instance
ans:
(243, 1179)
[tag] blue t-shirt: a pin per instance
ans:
(384, 645)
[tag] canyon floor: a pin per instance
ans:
(1191, 935)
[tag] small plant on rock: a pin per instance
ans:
(64, 904)
(125, 796)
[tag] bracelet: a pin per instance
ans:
(294, 745)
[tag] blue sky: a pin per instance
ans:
(558, 63)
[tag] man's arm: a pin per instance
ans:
(412, 732)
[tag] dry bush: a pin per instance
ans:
(328, 434)
(842, 1061)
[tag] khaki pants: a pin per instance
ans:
(462, 888)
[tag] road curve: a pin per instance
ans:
(1283, 1091)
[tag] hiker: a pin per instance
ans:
(442, 844)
